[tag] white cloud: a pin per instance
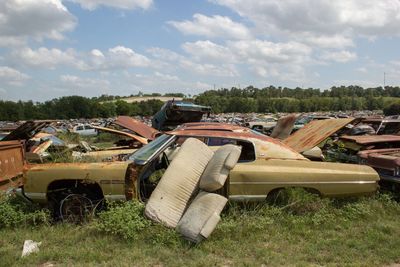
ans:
(164, 83)
(115, 58)
(207, 50)
(123, 57)
(121, 4)
(324, 41)
(269, 52)
(207, 69)
(38, 19)
(47, 58)
(363, 16)
(339, 56)
(79, 82)
(12, 76)
(212, 27)
(166, 77)
(164, 54)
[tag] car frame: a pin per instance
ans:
(270, 167)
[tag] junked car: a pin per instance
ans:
(265, 166)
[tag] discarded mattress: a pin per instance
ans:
(202, 216)
(217, 170)
(169, 199)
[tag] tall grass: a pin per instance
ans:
(299, 229)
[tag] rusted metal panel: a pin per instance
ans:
(11, 164)
(371, 139)
(284, 127)
(113, 131)
(385, 161)
(137, 126)
(364, 153)
(314, 133)
(27, 130)
(213, 126)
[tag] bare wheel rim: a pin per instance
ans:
(76, 208)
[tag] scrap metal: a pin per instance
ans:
(12, 164)
(137, 126)
(27, 130)
(314, 133)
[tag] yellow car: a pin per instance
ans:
(265, 166)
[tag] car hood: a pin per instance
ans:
(314, 133)
(27, 130)
(136, 126)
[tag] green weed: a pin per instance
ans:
(17, 212)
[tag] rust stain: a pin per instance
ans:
(12, 164)
(314, 133)
(131, 177)
(220, 130)
(387, 159)
(370, 139)
(137, 127)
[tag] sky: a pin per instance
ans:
(53, 48)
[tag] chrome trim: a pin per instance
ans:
(316, 182)
(157, 152)
(115, 197)
(247, 197)
(36, 196)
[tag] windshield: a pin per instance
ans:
(142, 155)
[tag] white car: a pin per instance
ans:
(84, 129)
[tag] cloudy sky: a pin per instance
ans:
(52, 48)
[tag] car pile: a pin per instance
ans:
(186, 175)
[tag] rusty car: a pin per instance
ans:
(265, 166)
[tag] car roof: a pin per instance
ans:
(272, 148)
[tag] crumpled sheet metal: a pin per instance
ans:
(27, 130)
(314, 133)
(137, 126)
(387, 159)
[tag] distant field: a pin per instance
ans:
(145, 98)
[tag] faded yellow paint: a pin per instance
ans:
(330, 179)
(39, 176)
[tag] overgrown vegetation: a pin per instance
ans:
(15, 211)
(122, 219)
(250, 99)
(299, 228)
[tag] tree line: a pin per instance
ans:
(282, 99)
(250, 99)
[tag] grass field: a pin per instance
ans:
(301, 230)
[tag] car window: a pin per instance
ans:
(248, 152)
(87, 127)
(79, 128)
(220, 141)
(145, 153)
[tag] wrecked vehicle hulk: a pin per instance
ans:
(174, 113)
(265, 166)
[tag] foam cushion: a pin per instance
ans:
(202, 216)
(179, 182)
(217, 170)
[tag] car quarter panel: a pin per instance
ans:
(256, 179)
(109, 175)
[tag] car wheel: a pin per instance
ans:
(76, 208)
